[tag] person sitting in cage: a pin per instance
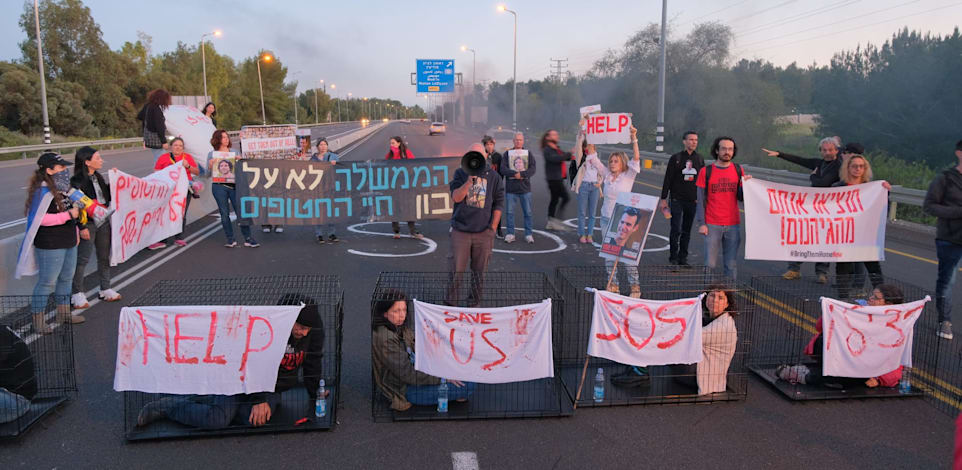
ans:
(18, 380)
(393, 359)
(305, 350)
(884, 294)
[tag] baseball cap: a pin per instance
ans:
(50, 160)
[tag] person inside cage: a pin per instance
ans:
(393, 359)
(18, 380)
(304, 352)
(884, 294)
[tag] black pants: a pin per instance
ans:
(682, 216)
(183, 226)
(558, 193)
(396, 227)
(850, 278)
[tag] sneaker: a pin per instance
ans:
(672, 260)
(499, 235)
(529, 238)
(180, 242)
(333, 239)
(79, 301)
(509, 238)
(157, 246)
(266, 229)
(279, 229)
(418, 235)
(632, 377)
(945, 330)
(109, 295)
(397, 236)
(321, 240)
(251, 243)
(822, 278)
(230, 244)
(791, 275)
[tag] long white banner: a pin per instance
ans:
(485, 345)
(146, 210)
(863, 341)
(645, 332)
(795, 223)
(221, 350)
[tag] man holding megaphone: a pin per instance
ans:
(91, 192)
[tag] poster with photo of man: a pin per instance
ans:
(625, 235)
(518, 159)
(222, 166)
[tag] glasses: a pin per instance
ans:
(858, 165)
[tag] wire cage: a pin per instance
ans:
(37, 371)
(788, 312)
(533, 398)
(210, 415)
(624, 385)
(944, 390)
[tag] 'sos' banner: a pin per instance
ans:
(146, 210)
(795, 223)
(288, 192)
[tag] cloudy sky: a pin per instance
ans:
(368, 47)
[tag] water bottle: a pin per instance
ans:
(599, 386)
(443, 397)
(905, 385)
(320, 403)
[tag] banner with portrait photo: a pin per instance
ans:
(625, 235)
(222, 165)
(517, 159)
(269, 142)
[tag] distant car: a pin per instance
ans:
(437, 128)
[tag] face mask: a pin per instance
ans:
(61, 181)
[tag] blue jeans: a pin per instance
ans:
(587, 205)
(225, 197)
(428, 394)
(525, 199)
(631, 271)
(55, 276)
(202, 411)
(12, 406)
(320, 229)
(157, 153)
(725, 238)
(949, 255)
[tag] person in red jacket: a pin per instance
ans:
(397, 151)
(177, 156)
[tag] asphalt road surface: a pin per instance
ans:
(764, 431)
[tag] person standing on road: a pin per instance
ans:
(177, 155)
(587, 185)
(719, 190)
(944, 200)
(555, 171)
(494, 161)
(517, 186)
(397, 151)
(155, 127)
(210, 110)
(825, 172)
(325, 155)
(88, 180)
(679, 188)
(225, 194)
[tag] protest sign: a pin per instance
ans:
(595, 108)
(610, 128)
(796, 223)
(188, 123)
(282, 192)
(626, 233)
(518, 159)
(146, 210)
(645, 332)
(221, 350)
(268, 142)
(485, 345)
(865, 341)
(222, 166)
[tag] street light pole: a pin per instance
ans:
(203, 57)
(43, 80)
(514, 106)
(474, 66)
(316, 109)
(334, 87)
(660, 129)
(349, 95)
(260, 84)
(295, 97)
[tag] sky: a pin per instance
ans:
(369, 47)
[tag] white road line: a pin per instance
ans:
(561, 244)
(13, 223)
(464, 461)
(358, 143)
(432, 245)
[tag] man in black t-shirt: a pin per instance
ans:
(679, 185)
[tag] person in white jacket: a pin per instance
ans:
(718, 338)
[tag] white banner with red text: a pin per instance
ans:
(796, 223)
(643, 332)
(484, 345)
(608, 128)
(146, 210)
(865, 341)
(222, 350)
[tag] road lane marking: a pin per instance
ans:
(432, 246)
(464, 461)
(561, 244)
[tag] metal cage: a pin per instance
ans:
(293, 405)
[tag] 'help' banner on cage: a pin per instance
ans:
(645, 332)
(485, 345)
(865, 341)
(223, 350)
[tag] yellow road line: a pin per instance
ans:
(939, 395)
(786, 316)
(786, 307)
(938, 381)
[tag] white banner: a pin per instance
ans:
(864, 341)
(146, 210)
(624, 237)
(595, 108)
(485, 345)
(188, 123)
(610, 128)
(795, 223)
(221, 350)
(643, 332)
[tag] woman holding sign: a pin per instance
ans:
(224, 192)
(177, 156)
(856, 170)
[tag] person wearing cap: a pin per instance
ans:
(824, 175)
(478, 202)
(325, 155)
(49, 247)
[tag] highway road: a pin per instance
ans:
(764, 431)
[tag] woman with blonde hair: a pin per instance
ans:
(856, 170)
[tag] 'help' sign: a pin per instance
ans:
(611, 128)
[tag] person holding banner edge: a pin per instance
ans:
(324, 155)
(87, 179)
(719, 341)
(944, 201)
(177, 155)
(679, 188)
(719, 190)
(225, 194)
(856, 170)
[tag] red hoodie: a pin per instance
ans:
(394, 154)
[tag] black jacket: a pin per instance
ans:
(466, 216)
(554, 161)
(86, 185)
(677, 184)
(16, 365)
(826, 173)
(517, 186)
(306, 352)
(944, 200)
(153, 118)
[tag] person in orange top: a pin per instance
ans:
(177, 156)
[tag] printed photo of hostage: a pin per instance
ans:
(625, 235)
(222, 167)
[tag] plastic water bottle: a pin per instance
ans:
(320, 403)
(443, 397)
(905, 385)
(599, 395)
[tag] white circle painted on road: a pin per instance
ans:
(561, 244)
(571, 223)
(432, 246)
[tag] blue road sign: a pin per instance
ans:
(435, 75)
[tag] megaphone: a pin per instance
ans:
(473, 163)
(90, 208)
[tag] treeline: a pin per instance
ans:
(96, 92)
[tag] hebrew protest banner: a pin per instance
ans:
(221, 350)
(484, 345)
(796, 223)
(643, 332)
(222, 166)
(627, 232)
(269, 142)
(285, 192)
(146, 210)
(866, 341)
(610, 128)
(188, 123)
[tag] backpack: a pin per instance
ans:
(739, 195)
